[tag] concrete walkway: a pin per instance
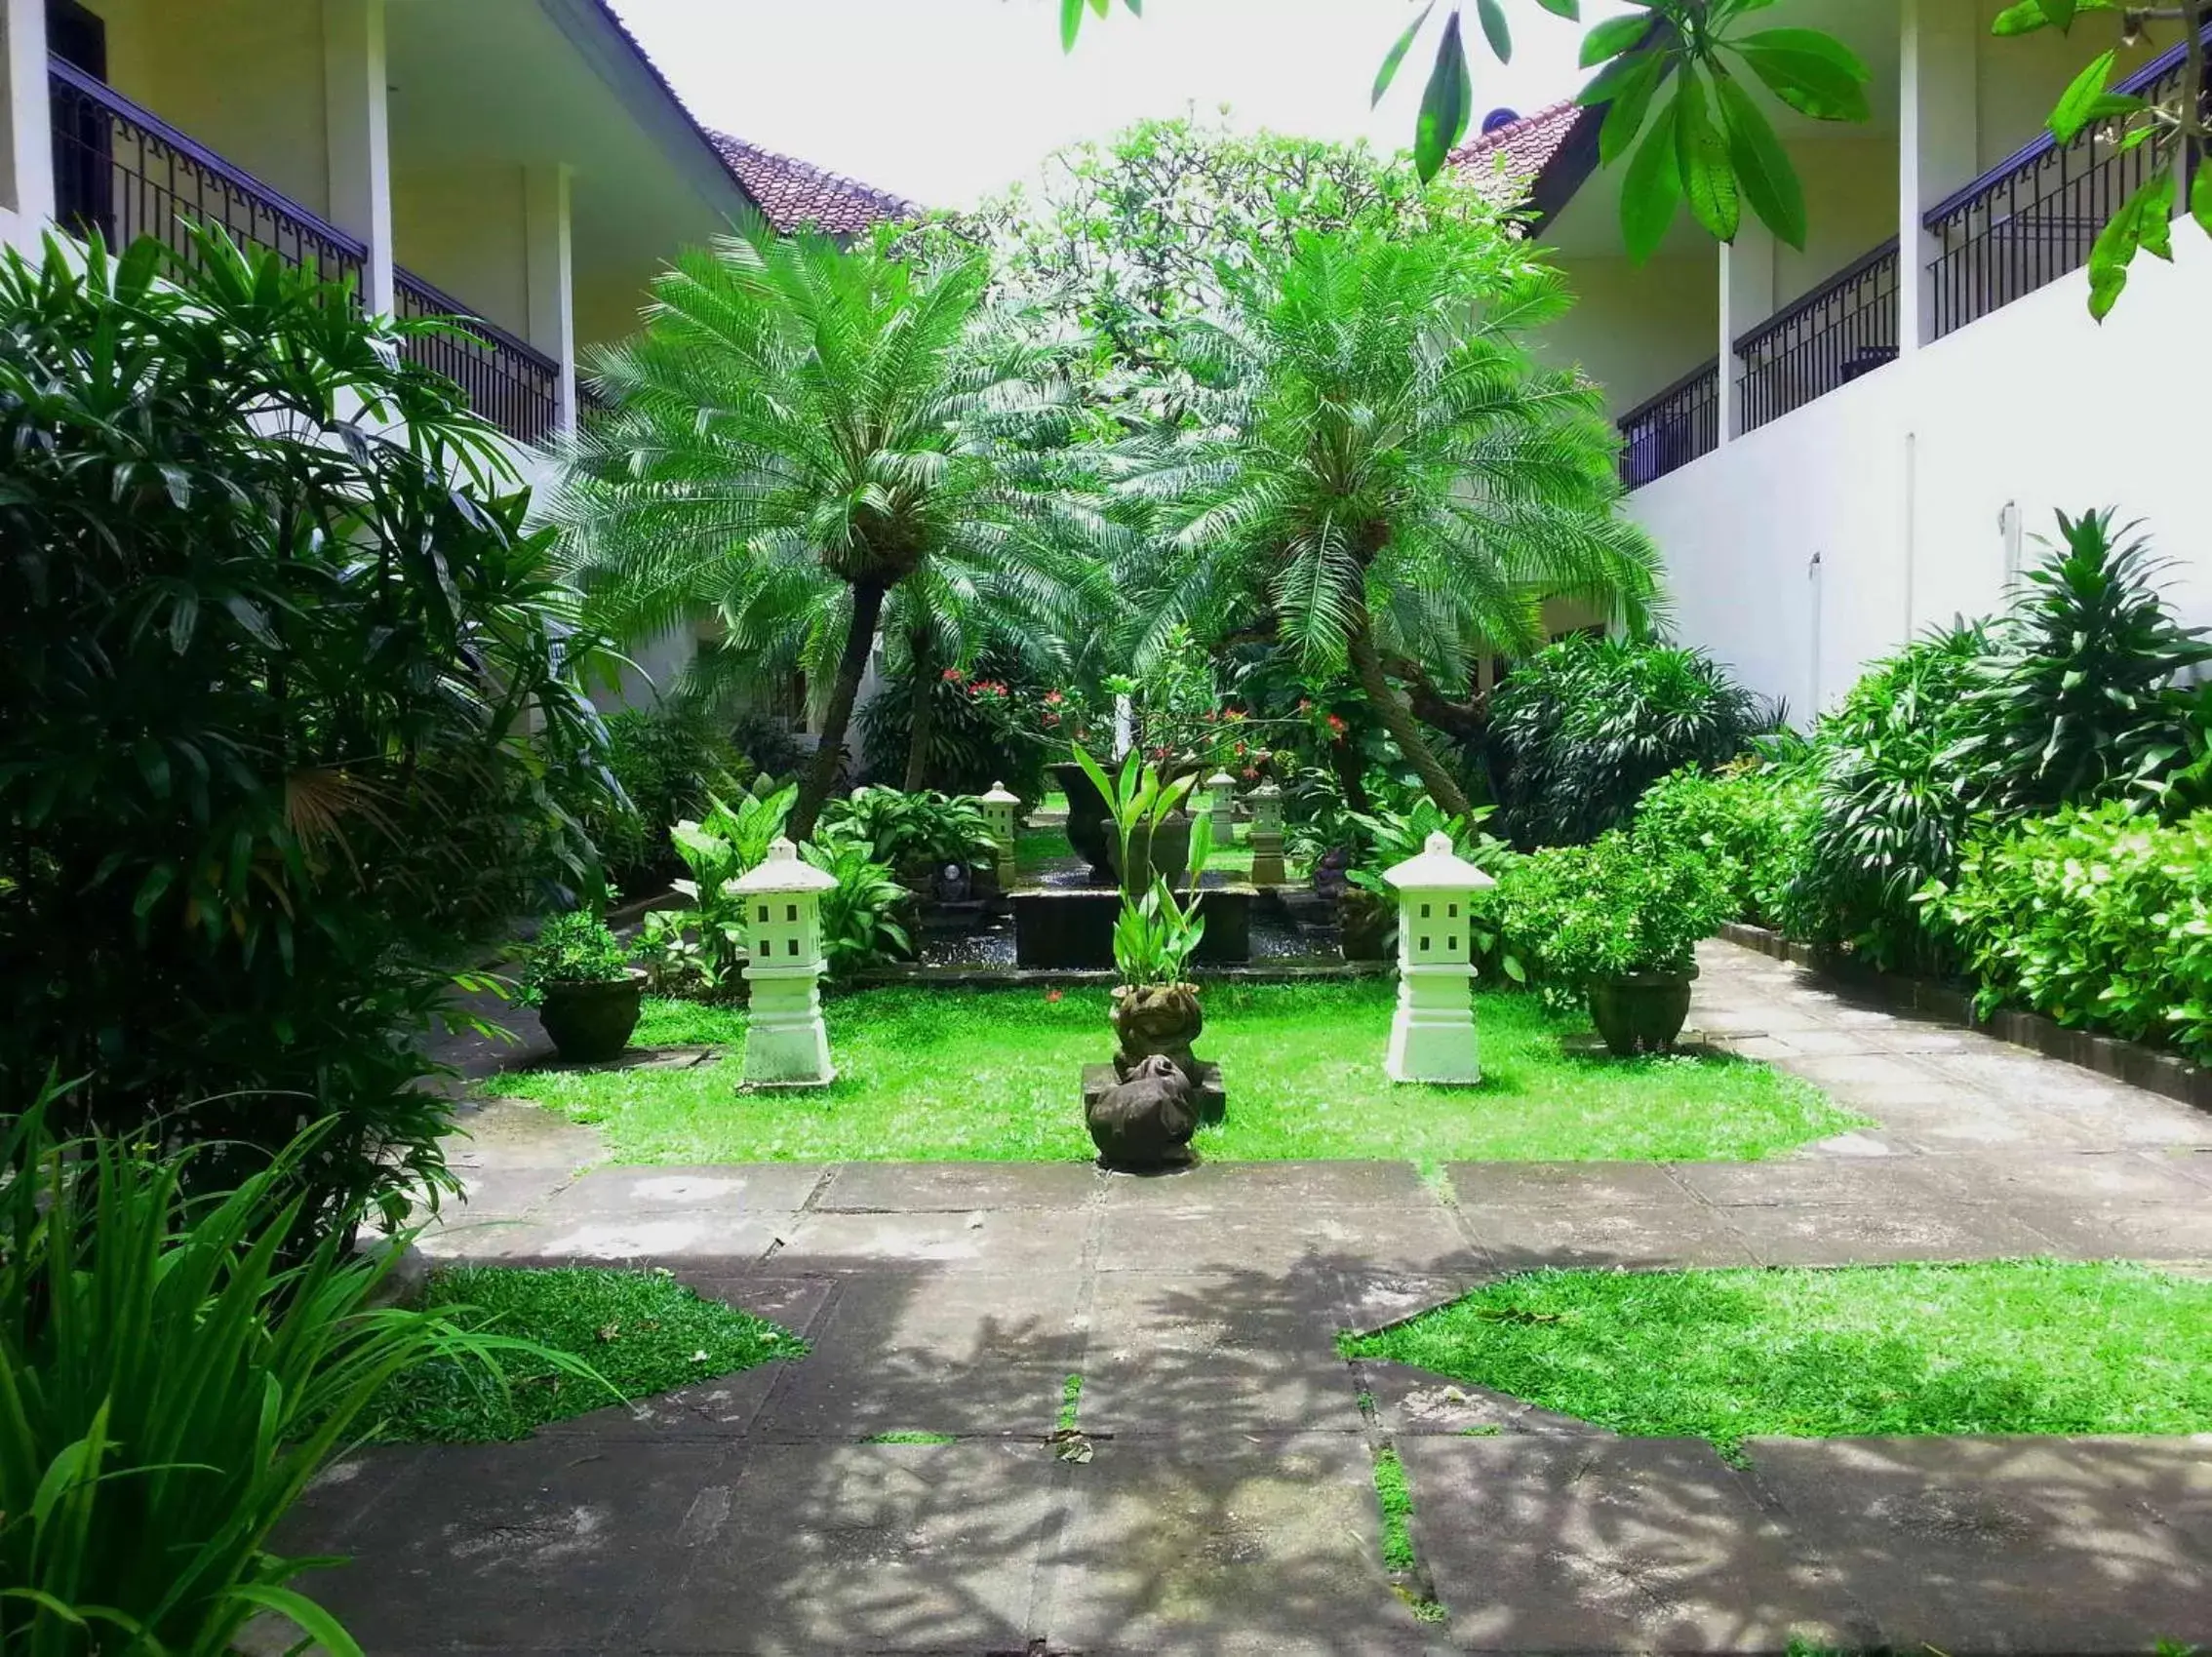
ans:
(1228, 1504)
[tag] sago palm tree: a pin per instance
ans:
(1385, 473)
(797, 432)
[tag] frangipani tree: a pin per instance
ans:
(799, 430)
(1386, 475)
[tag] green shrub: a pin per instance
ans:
(1751, 820)
(669, 760)
(970, 746)
(2076, 700)
(1891, 809)
(2096, 917)
(1574, 914)
(575, 948)
(860, 916)
(1584, 727)
(171, 1385)
(701, 949)
(282, 683)
(916, 831)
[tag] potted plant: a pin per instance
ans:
(579, 977)
(1617, 922)
(1155, 1006)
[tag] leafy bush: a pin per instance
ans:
(1575, 914)
(575, 948)
(1388, 838)
(2077, 700)
(860, 925)
(282, 683)
(1890, 808)
(1751, 820)
(913, 831)
(172, 1387)
(1584, 727)
(701, 949)
(669, 760)
(2096, 917)
(970, 746)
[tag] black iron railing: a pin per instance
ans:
(511, 383)
(124, 173)
(1669, 431)
(2033, 217)
(1844, 328)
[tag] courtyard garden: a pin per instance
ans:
(1149, 987)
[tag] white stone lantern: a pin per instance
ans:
(785, 1042)
(1431, 1035)
(1000, 809)
(1267, 835)
(1221, 803)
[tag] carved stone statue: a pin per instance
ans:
(1145, 1120)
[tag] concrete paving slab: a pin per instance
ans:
(1283, 1238)
(1970, 1124)
(1251, 1547)
(1827, 1183)
(516, 1133)
(959, 1352)
(1195, 1357)
(1408, 1400)
(1685, 1232)
(1845, 1236)
(2165, 1231)
(2084, 1179)
(2017, 1545)
(1870, 1079)
(652, 1193)
(1589, 1544)
(1272, 1185)
(725, 1240)
(544, 1545)
(982, 1240)
(865, 1547)
(1375, 1299)
(959, 1187)
(1563, 1185)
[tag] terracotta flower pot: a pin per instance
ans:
(1640, 1013)
(1155, 1018)
(591, 1023)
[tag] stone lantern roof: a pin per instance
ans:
(781, 871)
(1437, 869)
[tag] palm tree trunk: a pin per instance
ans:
(1398, 720)
(924, 703)
(852, 668)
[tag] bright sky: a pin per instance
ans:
(949, 100)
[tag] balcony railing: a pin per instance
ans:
(125, 173)
(511, 383)
(1671, 429)
(1844, 328)
(2033, 217)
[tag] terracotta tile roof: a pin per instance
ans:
(796, 194)
(1504, 163)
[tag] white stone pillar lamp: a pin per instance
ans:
(785, 1042)
(1431, 1035)
(1221, 801)
(1267, 835)
(1000, 809)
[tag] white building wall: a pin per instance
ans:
(1897, 483)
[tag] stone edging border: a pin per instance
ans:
(2165, 1074)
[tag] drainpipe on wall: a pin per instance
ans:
(1812, 655)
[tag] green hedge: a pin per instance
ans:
(1753, 822)
(2097, 917)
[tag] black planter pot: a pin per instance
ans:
(1640, 1013)
(591, 1023)
(1091, 824)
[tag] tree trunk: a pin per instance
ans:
(1398, 720)
(1351, 774)
(924, 705)
(852, 668)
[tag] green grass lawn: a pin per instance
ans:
(993, 1074)
(2006, 1347)
(641, 1331)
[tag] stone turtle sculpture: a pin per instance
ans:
(1147, 1120)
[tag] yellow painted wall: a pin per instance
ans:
(608, 305)
(242, 77)
(1636, 329)
(1851, 209)
(463, 229)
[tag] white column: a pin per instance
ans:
(358, 132)
(1937, 142)
(1747, 300)
(26, 130)
(550, 276)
